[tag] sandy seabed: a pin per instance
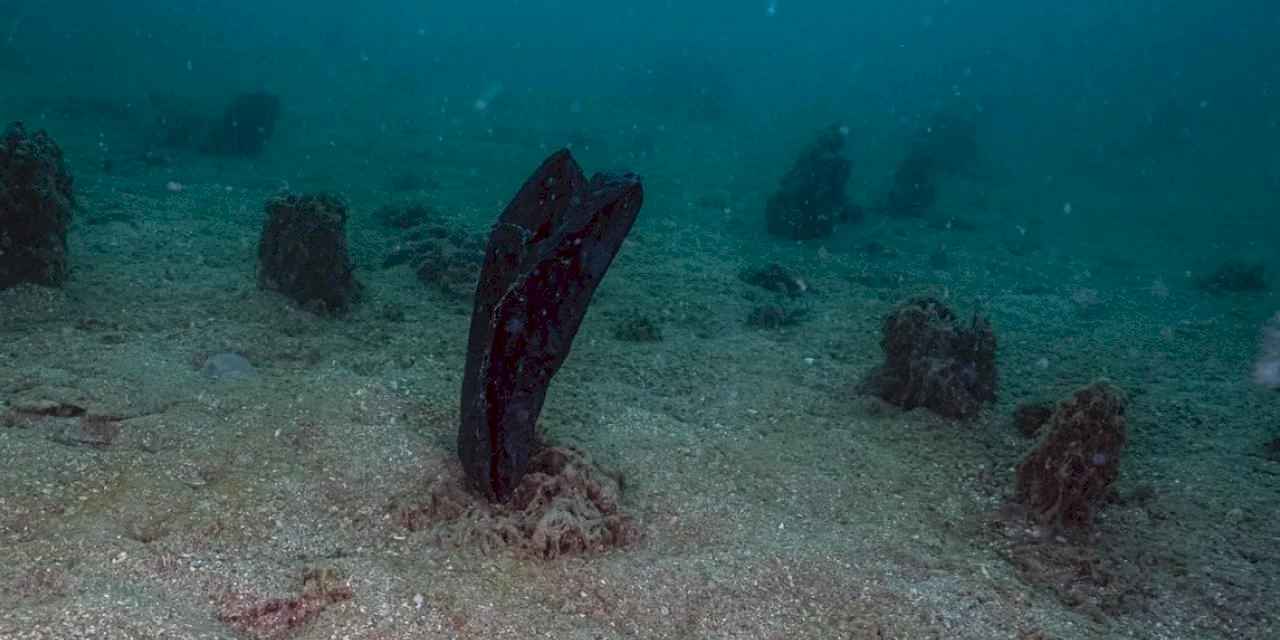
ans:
(141, 499)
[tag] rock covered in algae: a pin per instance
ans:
(931, 360)
(36, 205)
(811, 198)
(1065, 479)
(303, 252)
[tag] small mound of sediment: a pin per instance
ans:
(565, 505)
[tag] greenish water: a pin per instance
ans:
(1111, 204)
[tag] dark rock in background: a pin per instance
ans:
(36, 204)
(446, 259)
(914, 189)
(242, 129)
(451, 265)
(948, 145)
(178, 121)
(1235, 276)
(549, 250)
(811, 197)
(931, 361)
(1065, 479)
(245, 126)
(303, 252)
(775, 278)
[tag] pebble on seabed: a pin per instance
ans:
(228, 366)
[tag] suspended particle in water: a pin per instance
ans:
(1066, 208)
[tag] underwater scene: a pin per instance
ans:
(704, 319)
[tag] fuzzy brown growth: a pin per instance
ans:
(277, 617)
(564, 505)
(1063, 480)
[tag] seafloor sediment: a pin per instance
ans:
(141, 499)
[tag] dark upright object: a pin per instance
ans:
(303, 252)
(947, 146)
(932, 361)
(246, 125)
(915, 187)
(811, 198)
(1067, 478)
(549, 249)
(35, 209)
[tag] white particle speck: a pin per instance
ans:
(418, 601)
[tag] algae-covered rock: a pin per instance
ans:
(36, 205)
(303, 252)
(932, 361)
(811, 198)
(246, 125)
(1065, 479)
